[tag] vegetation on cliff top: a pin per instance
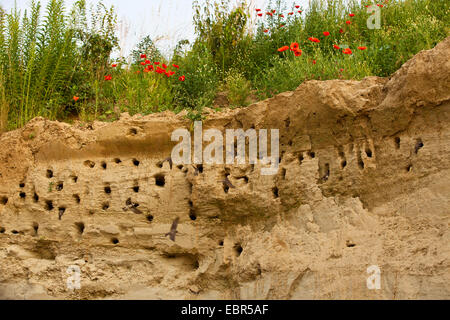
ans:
(57, 63)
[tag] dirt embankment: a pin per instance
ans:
(363, 180)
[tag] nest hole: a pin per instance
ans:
(2, 230)
(275, 192)
(343, 164)
(89, 164)
(397, 142)
(160, 180)
(238, 249)
(104, 165)
(133, 131)
(115, 241)
(49, 205)
(80, 227)
(312, 154)
(136, 162)
(369, 153)
(77, 199)
(23, 195)
(149, 218)
(49, 174)
(117, 161)
(105, 206)
(108, 190)
(136, 189)
(192, 215)
(35, 197)
(35, 228)
(22, 185)
(4, 200)
(60, 186)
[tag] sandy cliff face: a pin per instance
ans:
(363, 180)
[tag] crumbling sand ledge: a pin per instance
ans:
(385, 143)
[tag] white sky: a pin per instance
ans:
(166, 20)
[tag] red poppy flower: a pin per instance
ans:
(176, 66)
(348, 22)
(267, 30)
(258, 10)
(269, 14)
(75, 98)
(114, 65)
(294, 46)
(182, 78)
(326, 33)
(282, 25)
(298, 52)
(143, 63)
(282, 49)
(164, 66)
(146, 70)
(341, 30)
(314, 61)
(170, 73)
(336, 47)
(380, 5)
(150, 68)
(156, 63)
(290, 13)
(341, 70)
(314, 39)
(147, 62)
(351, 14)
(281, 15)
(159, 70)
(108, 77)
(138, 71)
(273, 11)
(259, 14)
(297, 6)
(347, 51)
(143, 56)
(299, 11)
(362, 48)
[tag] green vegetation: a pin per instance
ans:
(55, 62)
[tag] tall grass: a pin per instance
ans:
(42, 53)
